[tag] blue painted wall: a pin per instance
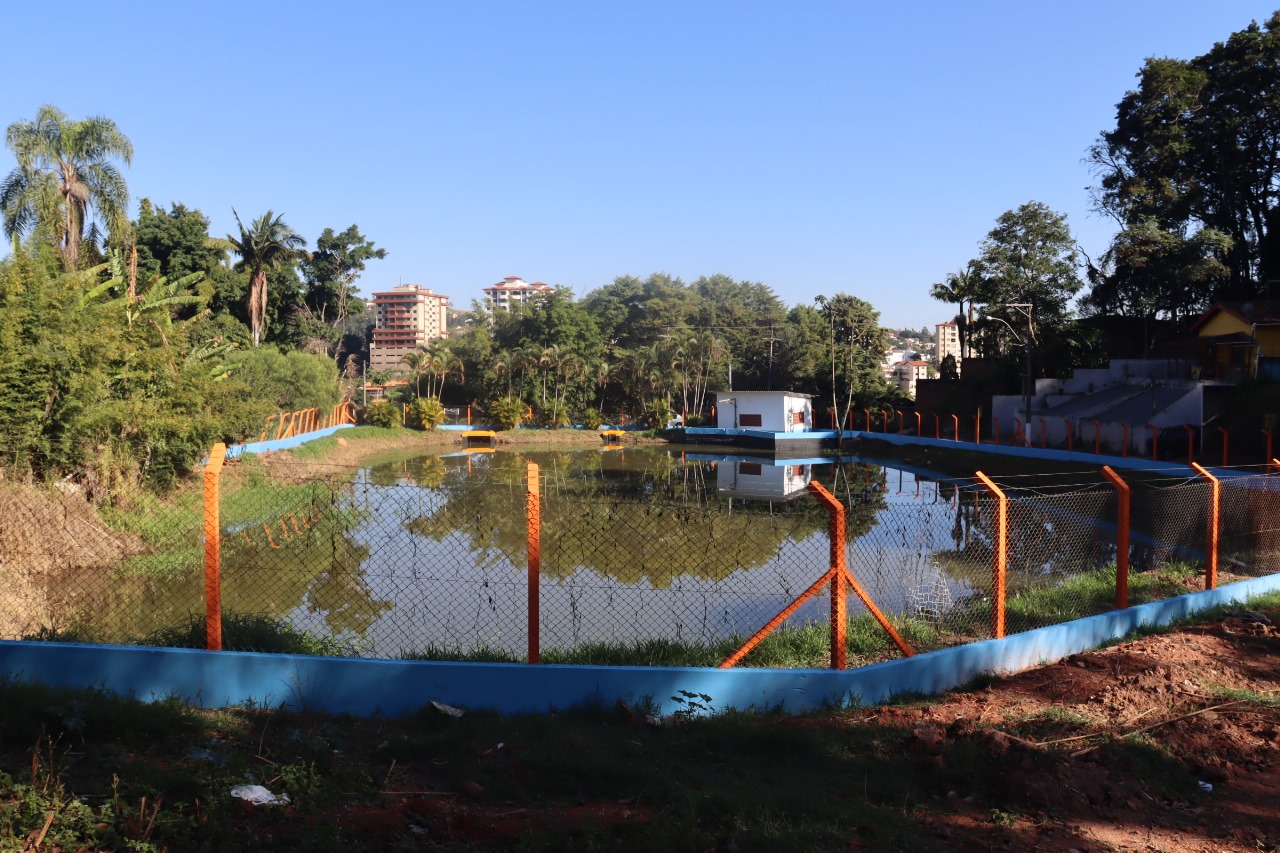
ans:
(282, 443)
(393, 688)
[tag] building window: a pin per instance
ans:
(797, 418)
(749, 468)
(750, 420)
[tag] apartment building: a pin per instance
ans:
(405, 318)
(948, 341)
(513, 290)
(905, 374)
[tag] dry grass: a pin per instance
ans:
(48, 537)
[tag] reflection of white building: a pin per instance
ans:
(763, 479)
(773, 411)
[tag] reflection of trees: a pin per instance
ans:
(1050, 538)
(642, 515)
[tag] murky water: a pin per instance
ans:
(636, 544)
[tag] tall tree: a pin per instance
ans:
(960, 288)
(856, 345)
(1195, 147)
(268, 243)
(175, 242)
(65, 178)
(1030, 259)
(331, 272)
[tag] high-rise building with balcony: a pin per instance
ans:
(513, 290)
(406, 317)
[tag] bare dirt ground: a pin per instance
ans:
(1088, 751)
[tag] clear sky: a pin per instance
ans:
(815, 147)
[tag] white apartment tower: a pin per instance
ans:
(513, 290)
(948, 336)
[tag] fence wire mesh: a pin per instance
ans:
(679, 563)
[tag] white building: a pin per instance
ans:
(513, 290)
(948, 341)
(906, 373)
(774, 411)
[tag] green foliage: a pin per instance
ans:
(250, 632)
(1199, 225)
(426, 413)
(287, 381)
(174, 243)
(509, 412)
(591, 418)
(65, 176)
(657, 414)
(268, 244)
(382, 413)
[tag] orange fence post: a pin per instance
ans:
(1122, 537)
(955, 425)
(884, 418)
(1017, 432)
(213, 550)
(1211, 547)
(533, 511)
(1226, 445)
(1267, 433)
(1191, 443)
(937, 426)
(1000, 563)
(867, 412)
(837, 575)
(468, 414)
(919, 426)
(266, 427)
(977, 427)
(900, 426)
(836, 560)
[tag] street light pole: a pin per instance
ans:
(1027, 380)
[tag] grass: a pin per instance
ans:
(240, 632)
(84, 769)
(120, 775)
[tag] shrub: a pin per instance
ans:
(591, 419)
(657, 414)
(509, 412)
(426, 413)
(381, 413)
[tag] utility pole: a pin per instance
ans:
(771, 339)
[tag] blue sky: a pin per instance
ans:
(814, 147)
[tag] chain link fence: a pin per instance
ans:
(590, 559)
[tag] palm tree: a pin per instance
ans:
(419, 364)
(961, 287)
(63, 177)
(267, 243)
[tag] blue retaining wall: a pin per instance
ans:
(1130, 463)
(282, 443)
(393, 688)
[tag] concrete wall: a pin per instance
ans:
(396, 688)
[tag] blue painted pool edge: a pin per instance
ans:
(394, 688)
